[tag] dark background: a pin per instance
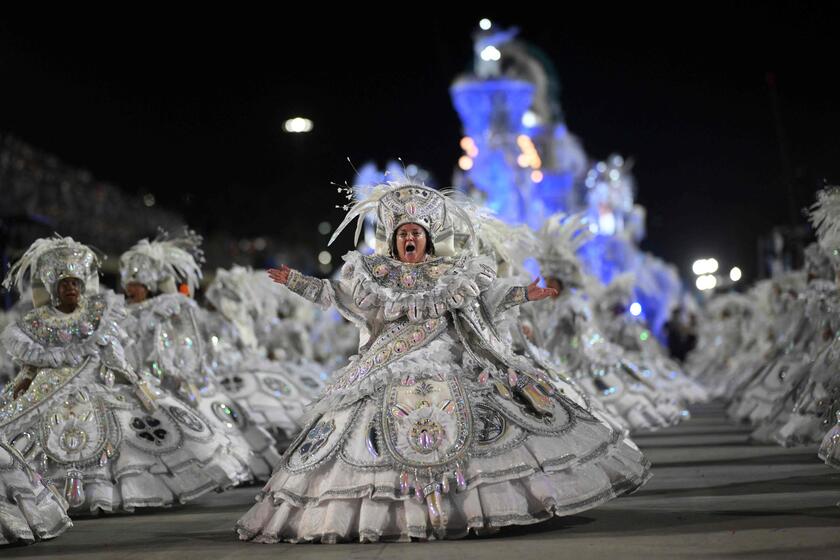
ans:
(190, 107)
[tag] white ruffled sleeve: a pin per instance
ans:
(344, 293)
(504, 294)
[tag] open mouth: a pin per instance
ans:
(410, 248)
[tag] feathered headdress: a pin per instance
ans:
(559, 239)
(825, 216)
(396, 204)
(161, 263)
(50, 260)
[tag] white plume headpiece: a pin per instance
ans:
(559, 238)
(52, 259)
(248, 290)
(397, 203)
(825, 217)
(160, 263)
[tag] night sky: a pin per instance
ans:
(191, 108)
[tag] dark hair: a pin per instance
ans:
(430, 245)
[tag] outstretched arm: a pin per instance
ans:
(516, 295)
(305, 286)
(321, 292)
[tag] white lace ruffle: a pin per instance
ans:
(451, 291)
(541, 477)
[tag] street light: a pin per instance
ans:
(298, 125)
(704, 266)
(706, 282)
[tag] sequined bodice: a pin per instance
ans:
(50, 327)
(404, 277)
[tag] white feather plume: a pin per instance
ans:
(367, 198)
(179, 258)
(560, 237)
(25, 271)
(825, 216)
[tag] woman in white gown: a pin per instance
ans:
(272, 394)
(733, 338)
(825, 216)
(800, 372)
(168, 343)
(565, 328)
(80, 414)
(436, 429)
(641, 348)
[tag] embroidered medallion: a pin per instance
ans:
(187, 419)
(315, 439)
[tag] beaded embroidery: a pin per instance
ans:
(49, 328)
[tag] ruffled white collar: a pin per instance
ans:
(418, 291)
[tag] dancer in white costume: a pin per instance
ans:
(284, 325)
(318, 340)
(825, 216)
(733, 340)
(642, 354)
(168, 344)
(564, 327)
(806, 358)
(509, 246)
(81, 415)
(270, 393)
(757, 391)
(30, 508)
(436, 429)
